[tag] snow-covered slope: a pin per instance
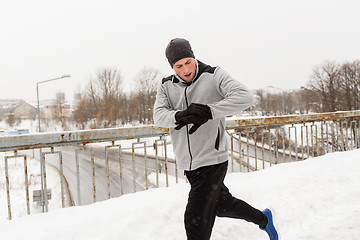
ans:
(314, 199)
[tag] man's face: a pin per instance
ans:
(185, 68)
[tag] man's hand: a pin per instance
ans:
(196, 109)
(193, 119)
(196, 114)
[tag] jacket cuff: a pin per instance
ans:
(178, 115)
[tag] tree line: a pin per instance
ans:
(331, 87)
(337, 85)
(105, 104)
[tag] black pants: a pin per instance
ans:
(208, 198)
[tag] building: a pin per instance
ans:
(24, 111)
(20, 109)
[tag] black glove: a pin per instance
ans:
(191, 119)
(196, 114)
(196, 109)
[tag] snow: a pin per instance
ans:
(17, 187)
(313, 199)
(28, 124)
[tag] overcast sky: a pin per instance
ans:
(261, 43)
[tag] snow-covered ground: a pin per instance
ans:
(314, 199)
(31, 125)
(17, 187)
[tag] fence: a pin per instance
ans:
(94, 165)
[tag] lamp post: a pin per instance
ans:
(282, 98)
(43, 194)
(37, 94)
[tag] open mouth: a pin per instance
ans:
(187, 75)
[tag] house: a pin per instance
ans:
(24, 111)
(19, 108)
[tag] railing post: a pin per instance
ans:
(232, 152)
(262, 149)
(240, 152)
(42, 202)
(44, 198)
(121, 171)
(93, 174)
(283, 142)
(133, 163)
(77, 166)
(247, 150)
(166, 162)
(255, 148)
(107, 170)
(26, 185)
(7, 186)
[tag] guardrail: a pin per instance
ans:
(143, 156)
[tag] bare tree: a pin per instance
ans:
(59, 108)
(147, 81)
(82, 114)
(10, 118)
(105, 92)
(325, 81)
(310, 100)
(338, 86)
(331, 87)
(93, 95)
(272, 103)
(102, 101)
(349, 76)
(261, 102)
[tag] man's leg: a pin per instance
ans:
(203, 198)
(229, 206)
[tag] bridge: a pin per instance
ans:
(95, 165)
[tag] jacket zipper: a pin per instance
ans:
(187, 132)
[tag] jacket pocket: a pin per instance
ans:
(217, 141)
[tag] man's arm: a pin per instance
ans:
(164, 115)
(237, 97)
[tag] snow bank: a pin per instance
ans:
(314, 199)
(18, 191)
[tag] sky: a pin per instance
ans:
(261, 43)
(312, 199)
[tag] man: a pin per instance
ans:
(193, 103)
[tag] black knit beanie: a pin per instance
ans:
(177, 49)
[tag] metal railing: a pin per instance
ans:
(94, 165)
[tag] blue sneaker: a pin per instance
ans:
(270, 228)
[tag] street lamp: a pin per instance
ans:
(37, 94)
(43, 194)
(282, 98)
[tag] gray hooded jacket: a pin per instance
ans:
(223, 94)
